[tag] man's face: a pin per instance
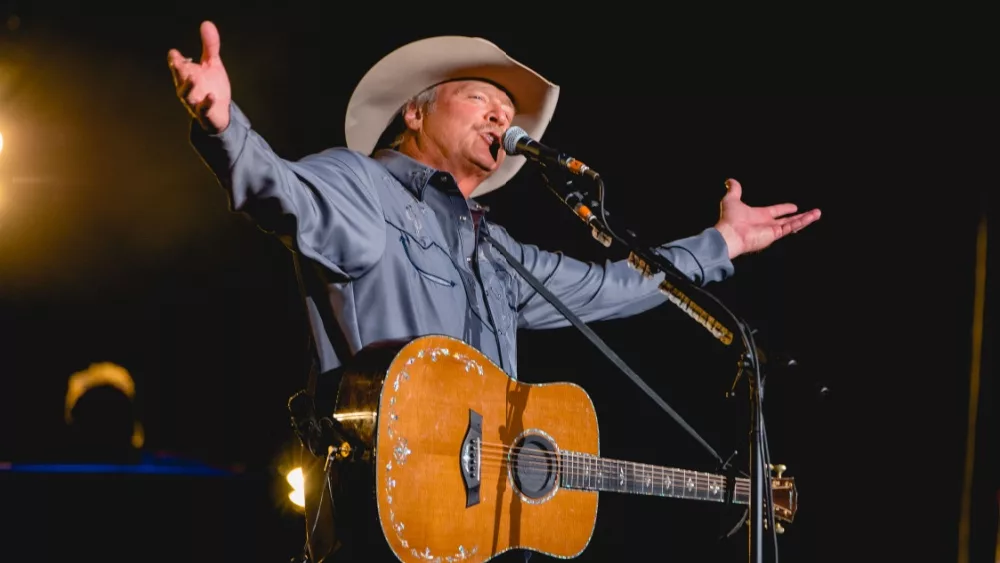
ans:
(466, 125)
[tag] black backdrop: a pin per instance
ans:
(117, 246)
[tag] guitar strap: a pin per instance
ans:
(600, 344)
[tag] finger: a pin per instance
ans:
(798, 222)
(174, 56)
(194, 96)
(733, 189)
(782, 209)
(184, 91)
(181, 68)
(174, 61)
(205, 105)
(210, 42)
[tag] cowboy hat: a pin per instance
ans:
(412, 68)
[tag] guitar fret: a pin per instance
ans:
(581, 473)
(715, 487)
(601, 472)
(589, 472)
(576, 471)
(587, 465)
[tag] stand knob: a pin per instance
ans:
(345, 450)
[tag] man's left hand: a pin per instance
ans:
(749, 229)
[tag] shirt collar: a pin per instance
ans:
(416, 176)
(413, 175)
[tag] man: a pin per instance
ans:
(394, 239)
(395, 235)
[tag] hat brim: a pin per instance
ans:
(414, 67)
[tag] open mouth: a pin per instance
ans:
(491, 138)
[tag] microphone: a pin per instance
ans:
(516, 141)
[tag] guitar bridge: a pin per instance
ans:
(470, 458)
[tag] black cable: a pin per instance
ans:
(750, 348)
(307, 547)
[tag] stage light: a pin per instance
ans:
(1, 142)
(297, 482)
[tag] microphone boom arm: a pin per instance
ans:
(673, 285)
(648, 263)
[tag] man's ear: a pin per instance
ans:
(413, 117)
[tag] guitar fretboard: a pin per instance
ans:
(592, 473)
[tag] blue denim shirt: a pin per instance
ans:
(396, 251)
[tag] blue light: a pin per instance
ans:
(138, 468)
(150, 465)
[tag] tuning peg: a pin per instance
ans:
(780, 468)
(779, 528)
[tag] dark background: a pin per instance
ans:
(116, 245)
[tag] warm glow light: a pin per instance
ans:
(1, 142)
(99, 373)
(297, 481)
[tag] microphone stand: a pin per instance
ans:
(677, 287)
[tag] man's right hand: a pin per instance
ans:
(203, 86)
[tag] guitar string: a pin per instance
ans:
(639, 482)
(503, 449)
(654, 477)
(498, 452)
(571, 468)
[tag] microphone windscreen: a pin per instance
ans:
(511, 137)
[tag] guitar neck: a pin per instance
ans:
(591, 473)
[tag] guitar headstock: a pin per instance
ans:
(784, 497)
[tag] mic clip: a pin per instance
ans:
(574, 199)
(325, 437)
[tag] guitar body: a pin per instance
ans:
(464, 458)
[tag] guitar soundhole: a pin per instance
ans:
(534, 466)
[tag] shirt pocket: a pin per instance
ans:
(507, 288)
(428, 259)
(502, 289)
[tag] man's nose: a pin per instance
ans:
(498, 117)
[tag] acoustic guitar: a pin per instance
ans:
(468, 463)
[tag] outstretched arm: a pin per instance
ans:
(611, 290)
(325, 202)
(615, 290)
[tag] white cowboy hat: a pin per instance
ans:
(414, 67)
